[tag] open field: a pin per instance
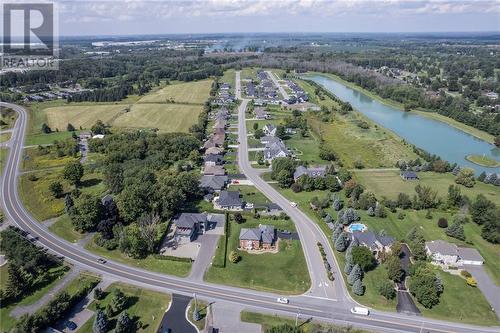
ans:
(38, 200)
(6, 321)
(64, 229)
(7, 118)
(483, 161)
(81, 116)
(5, 137)
(195, 92)
(165, 117)
(4, 152)
(178, 268)
(32, 160)
(289, 269)
(143, 305)
(390, 184)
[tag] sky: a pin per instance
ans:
(129, 17)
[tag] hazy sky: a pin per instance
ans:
(205, 16)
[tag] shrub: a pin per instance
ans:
(234, 257)
(32, 178)
(296, 187)
(442, 222)
(471, 282)
(465, 274)
(401, 215)
(362, 256)
(386, 289)
(456, 230)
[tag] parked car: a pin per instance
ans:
(71, 325)
(282, 300)
(360, 311)
(293, 204)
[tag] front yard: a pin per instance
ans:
(285, 271)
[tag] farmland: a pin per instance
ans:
(182, 93)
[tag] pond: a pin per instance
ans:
(434, 136)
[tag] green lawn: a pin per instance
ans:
(64, 229)
(195, 92)
(202, 310)
(285, 271)
(250, 194)
(390, 184)
(5, 137)
(305, 148)
(144, 305)
(4, 152)
(6, 321)
(82, 116)
(45, 139)
(229, 77)
(37, 198)
(150, 263)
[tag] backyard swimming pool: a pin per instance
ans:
(356, 227)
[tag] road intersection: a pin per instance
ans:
(325, 301)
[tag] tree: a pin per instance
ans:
(358, 288)
(99, 128)
(356, 274)
(454, 196)
(386, 289)
(466, 177)
(284, 179)
(424, 287)
(70, 128)
(341, 242)
(404, 201)
(426, 196)
(73, 172)
(394, 270)
(370, 212)
(238, 218)
(234, 257)
(86, 213)
(255, 126)
(280, 132)
(480, 208)
(118, 301)
(349, 264)
(258, 133)
(113, 177)
(124, 323)
(442, 222)
(380, 211)
(100, 322)
(337, 204)
(482, 175)
(46, 129)
(56, 189)
(497, 141)
(98, 294)
(362, 256)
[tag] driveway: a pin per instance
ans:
(174, 320)
(226, 318)
(205, 254)
(489, 289)
(406, 304)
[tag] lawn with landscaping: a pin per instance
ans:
(284, 271)
(202, 309)
(145, 308)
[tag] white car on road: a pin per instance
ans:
(282, 300)
(360, 311)
(293, 204)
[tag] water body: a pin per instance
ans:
(436, 137)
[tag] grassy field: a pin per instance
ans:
(483, 161)
(165, 117)
(4, 152)
(37, 198)
(83, 116)
(195, 92)
(144, 305)
(5, 137)
(229, 77)
(176, 268)
(6, 321)
(289, 269)
(64, 229)
(390, 184)
(8, 118)
(32, 160)
(45, 139)
(374, 147)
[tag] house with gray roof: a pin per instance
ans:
(443, 253)
(374, 242)
(190, 225)
(409, 175)
(213, 183)
(214, 170)
(316, 172)
(260, 113)
(269, 130)
(261, 238)
(275, 150)
(213, 159)
(228, 200)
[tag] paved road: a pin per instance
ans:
(278, 85)
(313, 306)
(175, 320)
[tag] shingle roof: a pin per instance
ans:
(467, 253)
(230, 198)
(265, 233)
(250, 234)
(370, 239)
(213, 182)
(188, 220)
(442, 247)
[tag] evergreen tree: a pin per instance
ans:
(337, 204)
(348, 264)
(370, 212)
(456, 230)
(119, 301)
(386, 289)
(100, 322)
(356, 274)
(481, 177)
(358, 288)
(124, 323)
(341, 242)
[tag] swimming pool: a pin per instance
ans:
(356, 227)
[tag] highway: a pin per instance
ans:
(311, 304)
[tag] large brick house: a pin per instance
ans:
(261, 238)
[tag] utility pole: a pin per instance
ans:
(196, 314)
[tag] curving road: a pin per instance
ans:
(308, 305)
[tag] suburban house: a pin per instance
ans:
(408, 175)
(261, 238)
(225, 86)
(272, 209)
(84, 135)
(213, 183)
(228, 200)
(311, 172)
(220, 124)
(275, 150)
(213, 150)
(260, 113)
(447, 254)
(213, 159)
(268, 140)
(374, 242)
(189, 225)
(214, 170)
(269, 130)
(216, 140)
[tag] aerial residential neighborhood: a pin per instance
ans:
(250, 167)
